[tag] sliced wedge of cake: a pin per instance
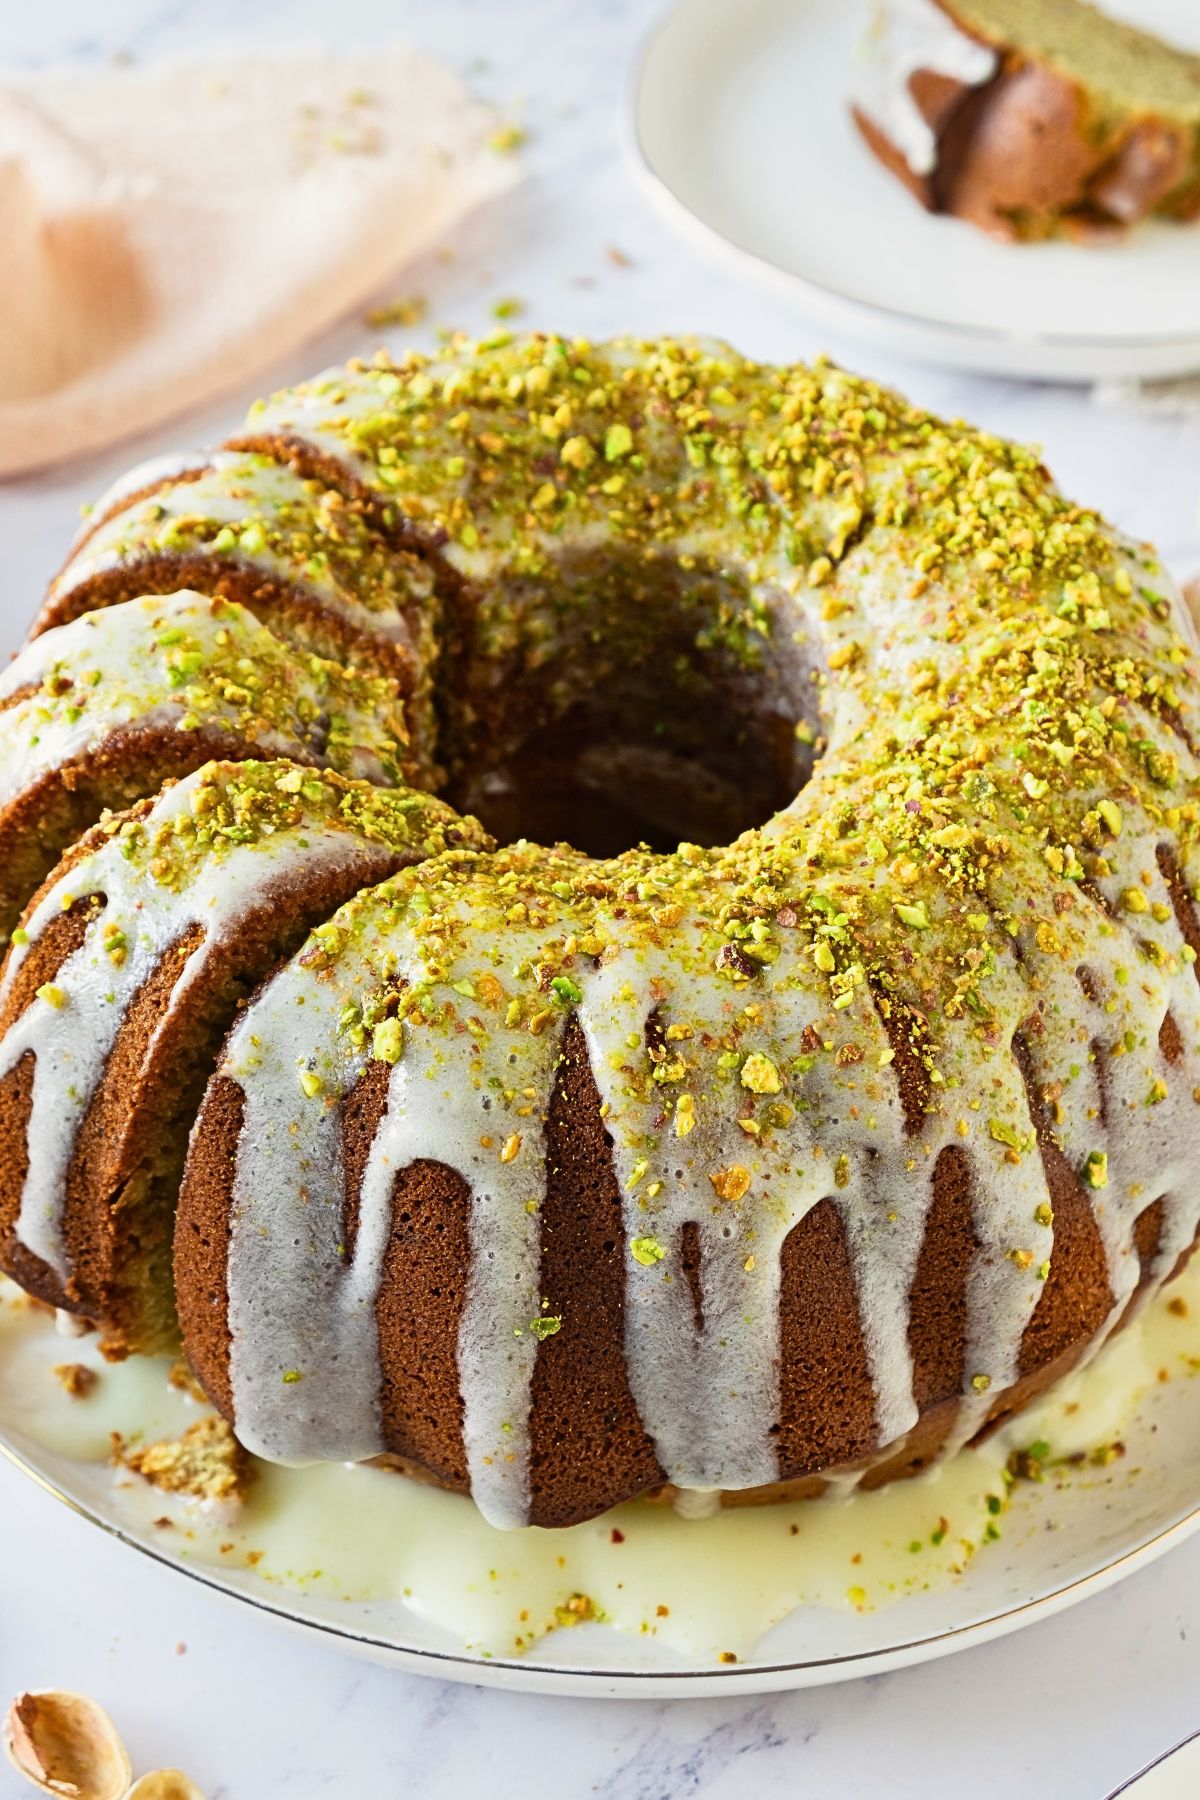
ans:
(1031, 118)
(129, 965)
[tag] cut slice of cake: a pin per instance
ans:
(316, 568)
(99, 712)
(1031, 118)
(128, 967)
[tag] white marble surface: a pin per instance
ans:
(1066, 1709)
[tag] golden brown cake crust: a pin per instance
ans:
(45, 818)
(128, 1156)
(285, 610)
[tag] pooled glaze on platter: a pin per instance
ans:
(710, 1588)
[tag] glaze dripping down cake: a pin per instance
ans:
(812, 1135)
(1031, 118)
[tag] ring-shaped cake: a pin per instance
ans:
(809, 1146)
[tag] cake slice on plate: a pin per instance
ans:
(1031, 118)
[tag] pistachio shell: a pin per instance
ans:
(164, 1784)
(1191, 593)
(66, 1745)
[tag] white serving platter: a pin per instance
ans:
(1059, 1546)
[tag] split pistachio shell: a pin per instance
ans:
(66, 1745)
(164, 1784)
(1191, 593)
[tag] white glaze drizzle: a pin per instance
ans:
(432, 1114)
(303, 1356)
(708, 1398)
(154, 472)
(907, 37)
(295, 1304)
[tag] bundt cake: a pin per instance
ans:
(1031, 117)
(815, 1143)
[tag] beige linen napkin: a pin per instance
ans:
(167, 232)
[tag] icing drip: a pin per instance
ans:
(430, 1114)
(443, 1101)
(72, 1025)
(317, 1319)
(709, 1395)
(909, 37)
(303, 1356)
(182, 662)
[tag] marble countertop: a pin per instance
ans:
(1067, 1708)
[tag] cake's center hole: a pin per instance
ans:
(628, 706)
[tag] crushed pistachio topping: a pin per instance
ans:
(987, 782)
(505, 139)
(760, 1074)
(1095, 1169)
(732, 1183)
(234, 805)
(408, 309)
(387, 1041)
(246, 508)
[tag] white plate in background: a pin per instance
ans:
(738, 127)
